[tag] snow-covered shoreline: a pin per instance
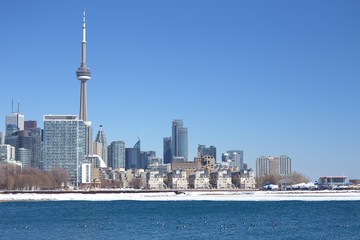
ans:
(187, 196)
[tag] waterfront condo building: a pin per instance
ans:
(273, 166)
(64, 144)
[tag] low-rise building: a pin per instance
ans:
(331, 182)
(188, 167)
(161, 168)
(243, 179)
(355, 182)
(221, 179)
(177, 180)
(155, 180)
(199, 180)
(124, 180)
(136, 178)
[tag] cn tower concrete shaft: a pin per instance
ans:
(83, 74)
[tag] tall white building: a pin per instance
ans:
(64, 144)
(7, 153)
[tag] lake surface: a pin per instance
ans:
(180, 220)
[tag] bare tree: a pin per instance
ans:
(11, 177)
(45, 181)
(116, 184)
(8, 175)
(297, 177)
(10, 183)
(58, 176)
(2, 176)
(268, 179)
(294, 178)
(135, 183)
(105, 183)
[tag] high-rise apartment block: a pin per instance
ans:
(273, 166)
(179, 140)
(64, 144)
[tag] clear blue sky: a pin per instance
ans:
(265, 77)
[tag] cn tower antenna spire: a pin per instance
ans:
(83, 74)
(83, 42)
(84, 27)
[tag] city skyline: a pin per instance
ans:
(264, 79)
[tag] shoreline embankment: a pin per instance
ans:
(179, 195)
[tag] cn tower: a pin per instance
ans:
(83, 74)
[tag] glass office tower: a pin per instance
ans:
(179, 140)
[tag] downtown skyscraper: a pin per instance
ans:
(167, 153)
(100, 146)
(116, 155)
(14, 121)
(132, 156)
(179, 140)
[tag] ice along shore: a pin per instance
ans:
(180, 195)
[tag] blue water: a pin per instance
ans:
(180, 220)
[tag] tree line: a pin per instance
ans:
(293, 178)
(12, 177)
